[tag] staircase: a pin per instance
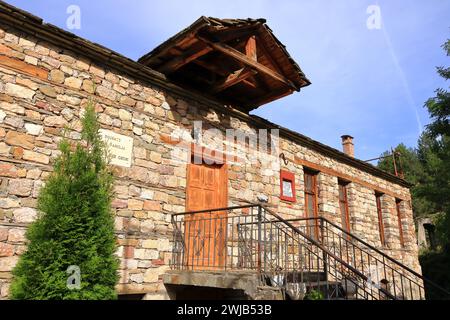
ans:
(306, 258)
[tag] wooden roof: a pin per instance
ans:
(236, 61)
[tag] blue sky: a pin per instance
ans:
(371, 84)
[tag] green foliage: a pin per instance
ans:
(439, 106)
(435, 266)
(413, 169)
(409, 161)
(314, 295)
(435, 155)
(437, 188)
(76, 226)
(428, 168)
(434, 152)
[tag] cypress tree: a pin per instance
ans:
(75, 229)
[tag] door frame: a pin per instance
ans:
(223, 203)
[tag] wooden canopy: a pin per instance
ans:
(236, 61)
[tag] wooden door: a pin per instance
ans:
(205, 233)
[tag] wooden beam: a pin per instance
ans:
(250, 82)
(225, 49)
(250, 48)
(272, 62)
(24, 67)
(226, 35)
(177, 62)
(233, 79)
(218, 70)
(211, 67)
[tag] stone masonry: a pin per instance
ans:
(44, 89)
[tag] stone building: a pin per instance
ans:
(180, 100)
(426, 237)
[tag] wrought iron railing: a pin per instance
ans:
(308, 265)
(379, 268)
(290, 254)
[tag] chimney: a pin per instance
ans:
(347, 145)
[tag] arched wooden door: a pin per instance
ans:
(205, 233)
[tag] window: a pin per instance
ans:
(398, 204)
(343, 206)
(287, 186)
(311, 203)
(380, 218)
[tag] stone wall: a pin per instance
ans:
(44, 89)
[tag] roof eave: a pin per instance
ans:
(193, 28)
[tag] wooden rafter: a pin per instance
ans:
(261, 84)
(228, 35)
(232, 79)
(211, 67)
(251, 82)
(147, 59)
(177, 62)
(272, 62)
(241, 74)
(225, 49)
(219, 71)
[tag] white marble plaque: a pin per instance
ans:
(120, 147)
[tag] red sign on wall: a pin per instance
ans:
(287, 186)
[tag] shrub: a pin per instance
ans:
(75, 226)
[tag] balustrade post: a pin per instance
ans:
(259, 237)
(324, 255)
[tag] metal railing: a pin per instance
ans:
(290, 254)
(214, 239)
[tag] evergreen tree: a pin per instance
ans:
(75, 227)
(438, 187)
(439, 106)
(428, 160)
(408, 160)
(428, 168)
(413, 169)
(436, 156)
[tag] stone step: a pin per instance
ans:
(295, 277)
(269, 293)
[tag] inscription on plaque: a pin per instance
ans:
(120, 147)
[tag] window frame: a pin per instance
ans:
(399, 220)
(287, 176)
(378, 196)
(343, 185)
(314, 193)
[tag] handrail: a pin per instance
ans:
(386, 293)
(316, 243)
(376, 250)
(363, 245)
(217, 209)
(362, 241)
(329, 253)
